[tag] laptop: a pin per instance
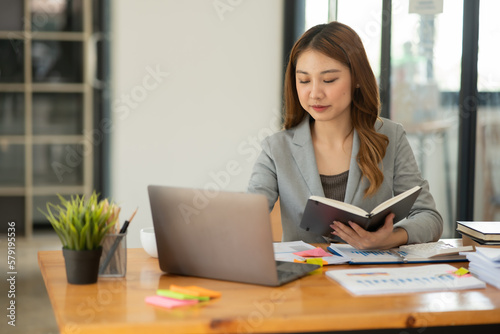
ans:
(219, 235)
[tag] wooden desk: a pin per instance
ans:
(313, 303)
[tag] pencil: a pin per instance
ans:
(115, 244)
(127, 222)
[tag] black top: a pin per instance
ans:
(334, 186)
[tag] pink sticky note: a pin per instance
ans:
(168, 302)
(316, 252)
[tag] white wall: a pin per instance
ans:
(215, 94)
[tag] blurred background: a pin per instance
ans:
(114, 95)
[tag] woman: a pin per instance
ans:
(335, 145)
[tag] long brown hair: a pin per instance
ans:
(340, 42)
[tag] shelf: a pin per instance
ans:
(43, 35)
(46, 106)
(43, 87)
(36, 140)
(12, 191)
(12, 87)
(12, 140)
(41, 191)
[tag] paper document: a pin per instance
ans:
(485, 264)
(283, 251)
(373, 281)
(395, 255)
(492, 254)
(291, 246)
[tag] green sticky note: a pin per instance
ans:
(178, 295)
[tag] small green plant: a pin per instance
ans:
(82, 224)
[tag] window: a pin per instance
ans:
(420, 62)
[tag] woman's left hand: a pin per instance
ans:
(384, 238)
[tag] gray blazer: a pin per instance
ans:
(286, 168)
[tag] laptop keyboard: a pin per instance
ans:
(288, 271)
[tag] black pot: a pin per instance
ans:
(82, 266)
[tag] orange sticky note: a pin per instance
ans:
(204, 292)
(185, 290)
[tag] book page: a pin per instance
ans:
(284, 251)
(365, 256)
(341, 205)
(291, 246)
(394, 255)
(395, 199)
(483, 228)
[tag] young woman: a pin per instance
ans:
(335, 145)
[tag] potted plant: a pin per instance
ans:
(81, 225)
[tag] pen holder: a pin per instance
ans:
(114, 256)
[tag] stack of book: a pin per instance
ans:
(485, 265)
(480, 233)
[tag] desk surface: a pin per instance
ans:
(313, 303)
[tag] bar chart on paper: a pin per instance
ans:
(371, 281)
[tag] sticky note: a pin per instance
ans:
(461, 272)
(185, 290)
(178, 295)
(316, 261)
(204, 291)
(316, 252)
(168, 302)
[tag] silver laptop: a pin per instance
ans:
(219, 235)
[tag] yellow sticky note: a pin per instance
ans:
(316, 261)
(461, 272)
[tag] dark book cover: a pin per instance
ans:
(320, 213)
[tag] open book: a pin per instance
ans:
(320, 212)
(402, 254)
